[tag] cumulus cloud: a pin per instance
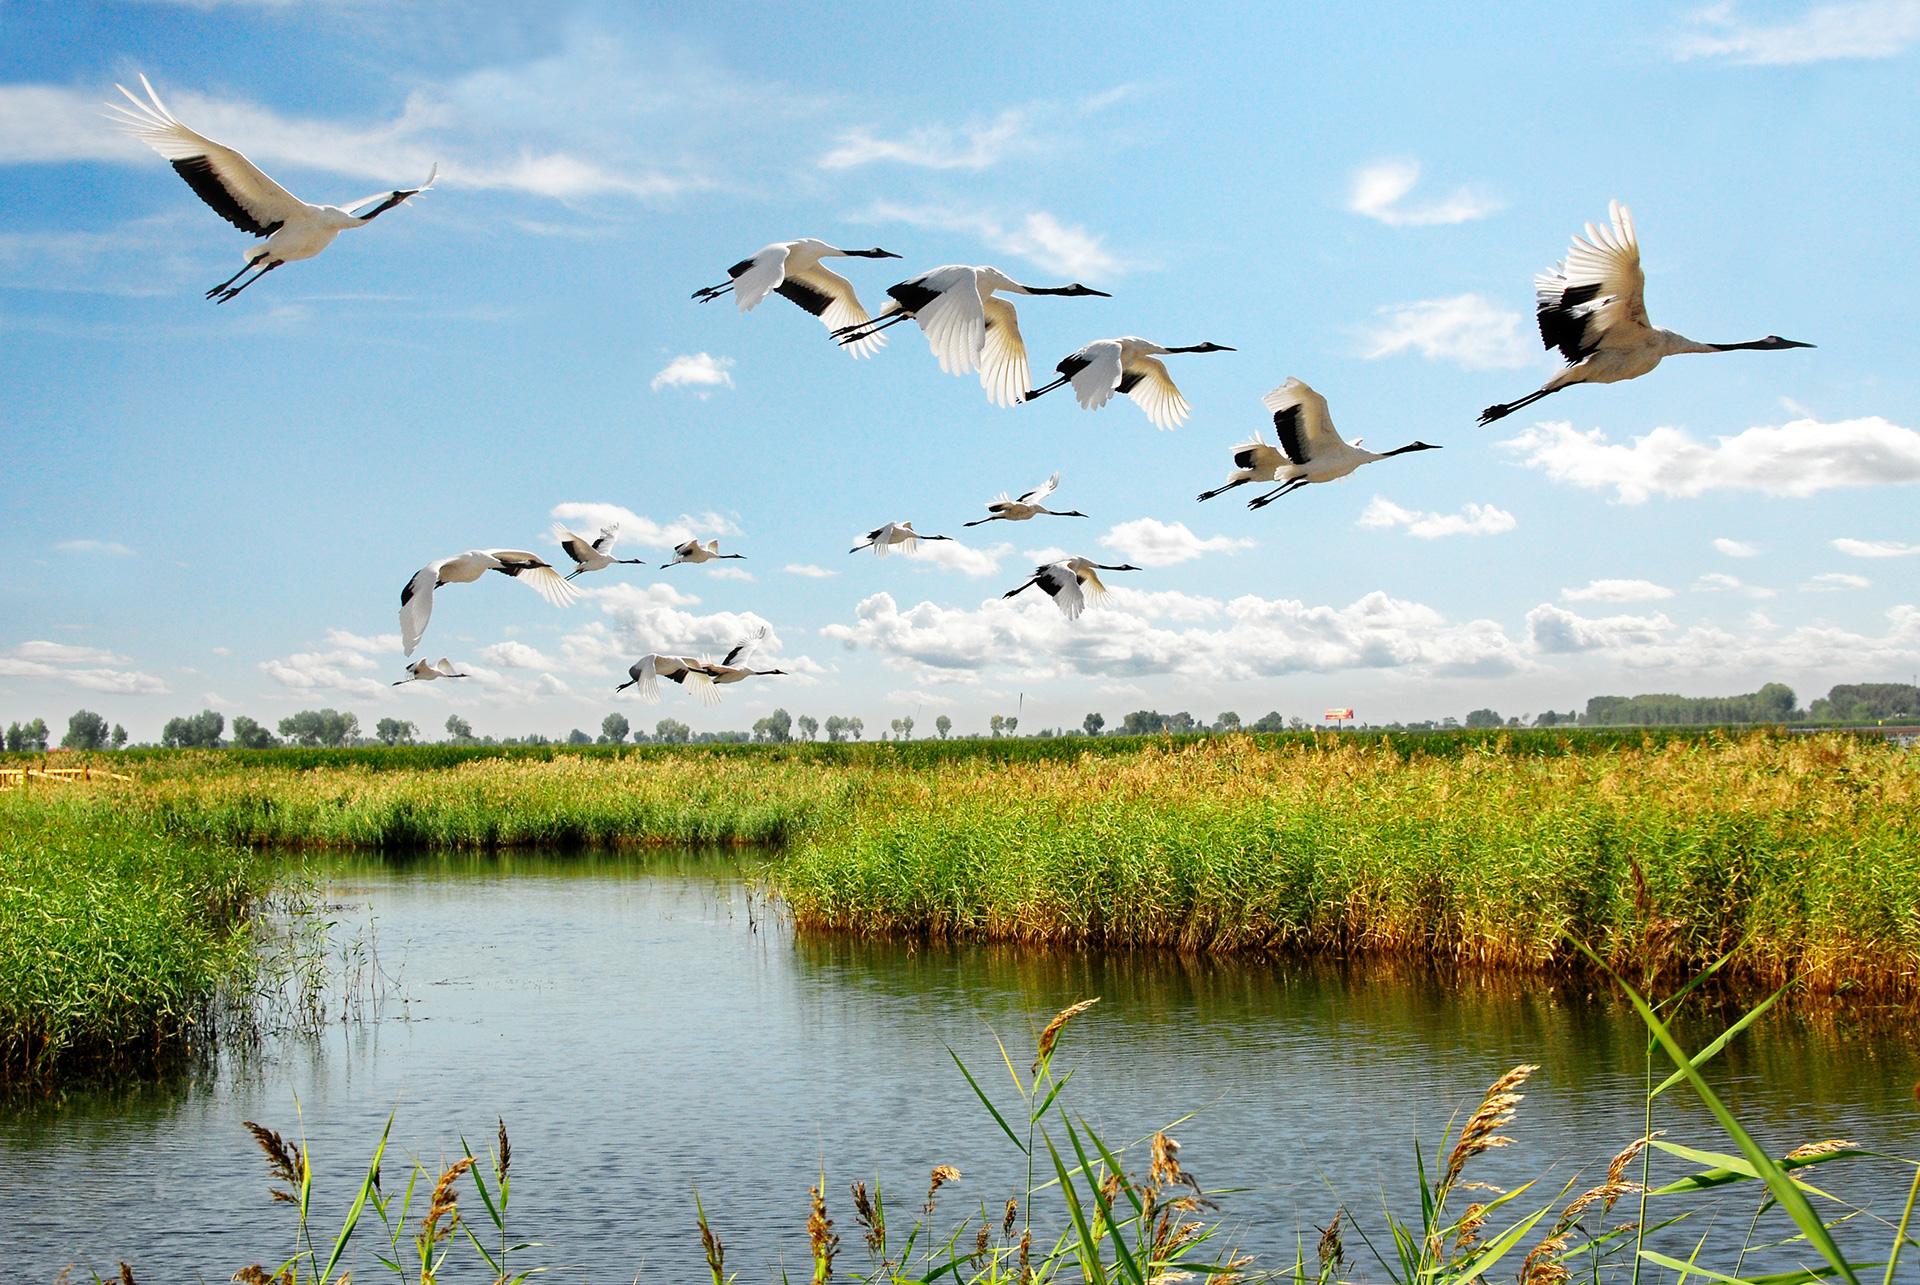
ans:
(1832, 581)
(951, 555)
(1735, 548)
(1555, 630)
(1036, 236)
(1474, 519)
(1617, 591)
(808, 571)
(632, 529)
(1153, 543)
(516, 655)
(1824, 32)
(730, 572)
(1875, 548)
(1379, 189)
(84, 667)
(1798, 458)
(1241, 639)
(641, 618)
(702, 372)
(1468, 330)
(1721, 582)
(111, 547)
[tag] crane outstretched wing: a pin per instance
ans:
(1041, 491)
(1096, 374)
(1003, 355)
(1597, 290)
(1146, 381)
(829, 296)
(1301, 421)
(755, 278)
(232, 186)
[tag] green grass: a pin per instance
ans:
(114, 937)
(1494, 850)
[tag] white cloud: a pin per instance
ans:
(1832, 581)
(591, 516)
(1875, 548)
(113, 547)
(1469, 330)
(1244, 638)
(1554, 630)
(951, 555)
(1474, 519)
(808, 570)
(83, 667)
(1735, 548)
(1855, 29)
(1798, 458)
(970, 147)
(730, 572)
(1378, 190)
(517, 655)
(1153, 543)
(980, 144)
(1617, 591)
(66, 653)
(700, 371)
(341, 670)
(1721, 582)
(1037, 236)
(449, 125)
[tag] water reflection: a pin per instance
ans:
(643, 1024)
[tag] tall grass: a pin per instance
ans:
(1806, 851)
(115, 938)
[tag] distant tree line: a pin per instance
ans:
(1773, 703)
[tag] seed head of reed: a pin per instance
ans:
(443, 1209)
(941, 1176)
(1808, 1150)
(1481, 1133)
(284, 1161)
(872, 1218)
(503, 1159)
(1617, 1167)
(980, 1243)
(1467, 1232)
(1331, 1252)
(1013, 1211)
(1026, 1250)
(820, 1235)
(715, 1251)
(126, 1273)
(1543, 1266)
(1051, 1034)
(255, 1275)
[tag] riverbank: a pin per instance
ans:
(115, 937)
(1490, 851)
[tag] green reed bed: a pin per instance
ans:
(1662, 858)
(563, 801)
(115, 938)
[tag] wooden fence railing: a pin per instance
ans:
(22, 776)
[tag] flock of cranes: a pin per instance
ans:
(1591, 307)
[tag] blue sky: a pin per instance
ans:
(206, 506)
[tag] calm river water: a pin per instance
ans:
(643, 1031)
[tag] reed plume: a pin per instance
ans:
(1482, 1130)
(1051, 1033)
(284, 1161)
(820, 1234)
(941, 1176)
